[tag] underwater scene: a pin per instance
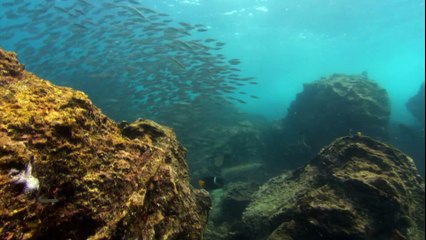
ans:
(212, 119)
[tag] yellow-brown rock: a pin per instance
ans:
(95, 183)
(356, 188)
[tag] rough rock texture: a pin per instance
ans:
(94, 183)
(235, 199)
(9, 65)
(416, 105)
(356, 188)
(335, 106)
(225, 222)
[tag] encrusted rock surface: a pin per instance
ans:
(335, 106)
(9, 65)
(356, 188)
(94, 183)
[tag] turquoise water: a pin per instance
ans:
(287, 43)
(199, 66)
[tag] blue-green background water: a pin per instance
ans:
(133, 65)
(285, 43)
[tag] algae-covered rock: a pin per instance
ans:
(94, 183)
(9, 65)
(356, 188)
(336, 106)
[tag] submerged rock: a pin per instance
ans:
(238, 155)
(411, 137)
(356, 188)
(94, 183)
(337, 106)
(225, 222)
(235, 199)
(416, 105)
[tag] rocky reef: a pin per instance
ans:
(416, 105)
(336, 106)
(355, 188)
(236, 155)
(410, 136)
(68, 172)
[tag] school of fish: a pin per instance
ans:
(131, 60)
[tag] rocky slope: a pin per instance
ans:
(67, 171)
(356, 188)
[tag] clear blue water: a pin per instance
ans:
(285, 43)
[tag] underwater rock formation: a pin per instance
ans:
(235, 199)
(416, 105)
(410, 137)
(334, 107)
(225, 222)
(93, 182)
(236, 154)
(356, 188)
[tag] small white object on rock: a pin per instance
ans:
(25, 177)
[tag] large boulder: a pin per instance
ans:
(410, 137)
(67, 172)
(356, 188)
(416, 105)
(336, 106)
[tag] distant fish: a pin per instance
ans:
(86, 2)
(234, 61)
(179, 63)
(242, 169)
(136, 11)
(61, 9)
(211, 182)
(184, 24)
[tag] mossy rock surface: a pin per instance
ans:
(356, 188)
(95, 183)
